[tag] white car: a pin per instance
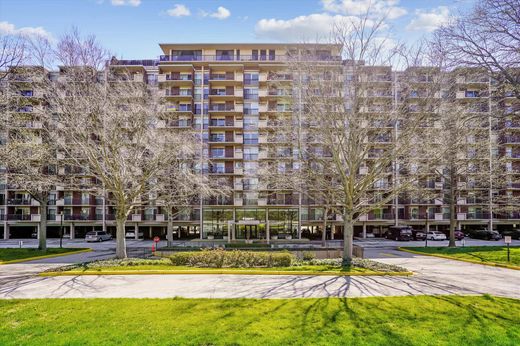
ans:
(131, 234)
(434, 235)
(97, 236)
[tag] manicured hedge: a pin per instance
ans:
(232, 259)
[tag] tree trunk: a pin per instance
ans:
(453, 214)
(42, 232)
(324, 232)
(120, 237)
(169, 231)
(348, 239)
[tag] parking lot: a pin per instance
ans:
(134, 244)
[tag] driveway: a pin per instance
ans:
(432, 276)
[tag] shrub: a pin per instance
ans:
(308, 255)
(232, 259)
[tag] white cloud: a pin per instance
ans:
(221, 13)
(179, 10)
(429, 20)
(386, 8)
(313, 26)
(133, 3)
(7, 28)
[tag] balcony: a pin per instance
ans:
(19, 217)
(254, 57)
(79, 217)
(76, 201)
(225, 108)
(225, 123)
(182, 123)
(225, 94)
(176, 93)
(182, 79)
(19, 201)
(184, 108)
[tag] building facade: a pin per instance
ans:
(231, 95)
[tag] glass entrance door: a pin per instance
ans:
(247, 232)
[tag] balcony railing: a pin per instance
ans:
(174, 58)
(19, 201)
(78, 217)
(19, 217)
(221, 108)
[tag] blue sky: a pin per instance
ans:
(133, 28)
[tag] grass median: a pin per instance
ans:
(15, 255)
(420, 320)
(489, 255)
(207, 262)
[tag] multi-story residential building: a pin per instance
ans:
(232, 95)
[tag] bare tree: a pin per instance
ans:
(352, 131)
(31, 152)
(177, 185)
(12, 53)
(487, 37)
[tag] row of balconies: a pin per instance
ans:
(257, 202)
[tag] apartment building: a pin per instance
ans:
(232, 95)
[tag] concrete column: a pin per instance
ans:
(364, 230)
(267, 233)
(229, 232)
(427, 226)
(332, 229)
(72, 232)
(150, 231)
(38, 231)
(458, 226)
(136, 231)
(6, 231)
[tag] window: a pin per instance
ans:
(250, 137)
(251, 153)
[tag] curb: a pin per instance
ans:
(220, 272)
(490, 264)
(45, 256)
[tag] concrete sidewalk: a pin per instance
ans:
(432, 276)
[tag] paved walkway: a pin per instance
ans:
(432, 276)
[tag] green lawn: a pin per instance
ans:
(12, 254)
(485, 254)
(421, 320)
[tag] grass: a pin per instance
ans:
(420, 320)
(493, 255)
(13, 255)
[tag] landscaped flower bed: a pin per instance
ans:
(231, 262)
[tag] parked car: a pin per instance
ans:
(513, 233)
(97, 236)
(131, 234)
(459, 235)
(419, 235)
(484, 234)
(434, 235)
(403, 233)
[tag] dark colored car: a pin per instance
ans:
(419, 235)
(403, 233)
(459, 235)
(513, 233)
(484, 234)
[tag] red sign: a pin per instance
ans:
(156, 239)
